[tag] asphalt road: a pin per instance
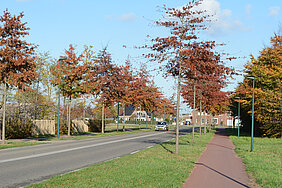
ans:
(32, 164)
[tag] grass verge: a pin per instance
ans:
(265, 162)
(154, 167)
(19, 144)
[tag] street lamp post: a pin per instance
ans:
(58, 135)
(117, 115)
(164, 113)
(238, 116)
(252, 131)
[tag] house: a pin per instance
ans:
(224, 119)
(133, 113)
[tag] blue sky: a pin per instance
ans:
(244, 25)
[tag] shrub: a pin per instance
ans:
(19, 128)
(95, 125)
(63, 127)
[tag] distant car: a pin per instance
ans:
(161, 126)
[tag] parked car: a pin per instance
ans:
(161, 126)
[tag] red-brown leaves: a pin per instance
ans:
(17, 61)
(73, 71)
(183, 54)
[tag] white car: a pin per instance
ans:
(161, 126)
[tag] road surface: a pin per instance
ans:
(32, 164)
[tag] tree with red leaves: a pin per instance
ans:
(17, 60)
(142, 92)
(176, 50)
(73, 72)
(208, 78)
(104, 80)
(165, 107)
(205, 96)
(182, 54)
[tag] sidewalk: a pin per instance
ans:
(218, 166)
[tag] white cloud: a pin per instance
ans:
(221, 21)
(226, 13)
(212, 7)
(248, 9)
(130, 17)
(273, 11)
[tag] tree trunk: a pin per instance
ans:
(177, 110)
(205, 123)
(211, 121)
(146, 115)
(117, 116)
(4, 112)
(66, 109)
(49, 93)
(103, 109)
(194, 115)
(123, 124)
(139, 116)
(152, 116)
(36, 101)
(200, 118)
(84, 107)
(69, 116)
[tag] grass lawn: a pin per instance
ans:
(265, 162)
(154, 167)
(18, 144)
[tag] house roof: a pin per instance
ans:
(130, 109)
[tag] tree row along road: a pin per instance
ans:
(27, 165)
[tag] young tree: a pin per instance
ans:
(165, 106)
(45, 72)
(73, 72)
(17, 60)
(104, 80)
(176, 50)
(89, 58)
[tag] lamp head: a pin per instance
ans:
(61, 59)
(251, 77)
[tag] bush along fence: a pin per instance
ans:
(25, 128)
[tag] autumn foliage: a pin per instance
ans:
(17, 60)
(267, 72)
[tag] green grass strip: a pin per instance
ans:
(18, 144)
(154, 167)
(265, 162)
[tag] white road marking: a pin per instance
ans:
(134, 152)
(72, 149)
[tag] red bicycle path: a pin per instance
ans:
(218, 166)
